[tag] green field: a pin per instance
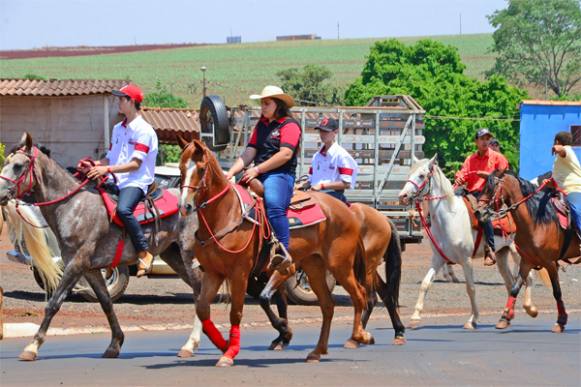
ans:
(234, 71)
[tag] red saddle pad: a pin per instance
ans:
(166, 203)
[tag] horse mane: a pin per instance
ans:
(538, 205)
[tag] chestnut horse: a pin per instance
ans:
(539, 238)
(227, 247)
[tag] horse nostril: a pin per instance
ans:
(189, 208)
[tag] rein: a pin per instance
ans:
(503, 211)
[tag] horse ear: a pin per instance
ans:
(196, 135)
(181, 141)
(434, 161)
(198, 154)
(26, 141)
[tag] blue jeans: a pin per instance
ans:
(574, 200)
(129, 198)
(278, 191)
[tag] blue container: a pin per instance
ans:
(539, 122)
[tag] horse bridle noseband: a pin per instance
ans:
(28, 172)
(417, 196)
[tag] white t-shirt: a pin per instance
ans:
(567, 171)
(334, 164)
(134, 140)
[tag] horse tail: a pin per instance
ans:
(39, 242)
(359, 265)
(392, 259)
(544, 275)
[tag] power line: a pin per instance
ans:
(472, 118)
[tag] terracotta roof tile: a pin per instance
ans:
(168, 122)
(47, 88)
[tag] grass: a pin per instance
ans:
(234, 71)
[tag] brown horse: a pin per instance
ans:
(227, 247)
(540, 240)
(381, 243)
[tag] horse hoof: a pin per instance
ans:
(313, 358)
(110, 354)
(400, 340)
(225, 362)
(531, 311)
(502, 324)
(558, 328)
(185, 353)
(276, 346)
(414, 324)
(351, 344)
(470, 326)
(27, 356)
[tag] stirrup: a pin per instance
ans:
(280, 263)
(144, 268)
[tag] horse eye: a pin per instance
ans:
(17, 168)
(422, 176)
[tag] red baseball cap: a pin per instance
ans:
(130, 90)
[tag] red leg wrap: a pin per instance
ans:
(214, 335)
(509, 311)
(234, 345)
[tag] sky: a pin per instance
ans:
(26, 24)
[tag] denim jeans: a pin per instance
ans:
(574, 200)
(487, 227)
(336, 194)
(129, 197)
(278, 191)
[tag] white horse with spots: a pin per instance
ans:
(452, 231)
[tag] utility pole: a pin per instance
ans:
(338, 35)
(460, 23)
(204, 90)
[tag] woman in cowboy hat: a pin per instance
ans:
(273, 147)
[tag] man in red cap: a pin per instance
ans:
(131, 157)
(473, 175)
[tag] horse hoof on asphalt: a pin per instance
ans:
(470, 325)
(351, 344)
(276, 346)
(531, 310)
(313, 358)
(225, 362)
(400, 340)
(368, 339)
(558, 328)
(414, 324)
(502, 324)
(185, 353)
(27, 356)
(110, 354)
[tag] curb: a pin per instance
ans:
(15, 330)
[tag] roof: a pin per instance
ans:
(168, 122)
(550, 103)
(54, 87)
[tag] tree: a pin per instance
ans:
(538, 41)
(310, 85)
(456, 105)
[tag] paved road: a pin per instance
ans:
(527, 354)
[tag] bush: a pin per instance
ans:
(310, 85)
(2, 147)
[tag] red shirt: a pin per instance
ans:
(489, 162)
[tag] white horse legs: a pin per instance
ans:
(193, 342)
(426, 283)
(449, 275)
(471, 291)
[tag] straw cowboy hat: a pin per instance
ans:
(275, 92)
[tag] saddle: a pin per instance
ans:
(502, 226)
(158, 204)
(303, 210)
(563, 211)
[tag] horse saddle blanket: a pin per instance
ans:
(502, 226)
(303, 211)
(563, 212)
(163, 203)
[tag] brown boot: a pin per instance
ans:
(145, 262)
(490, 257)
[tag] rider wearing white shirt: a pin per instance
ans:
(333, 169)
(131, 158)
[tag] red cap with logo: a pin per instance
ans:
(130, 90)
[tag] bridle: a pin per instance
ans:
(29, 172)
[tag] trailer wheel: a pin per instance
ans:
(214, 121)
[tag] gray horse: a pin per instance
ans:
(86, 236)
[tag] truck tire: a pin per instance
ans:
(299, 291)
(116, 284)
(214, 121)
